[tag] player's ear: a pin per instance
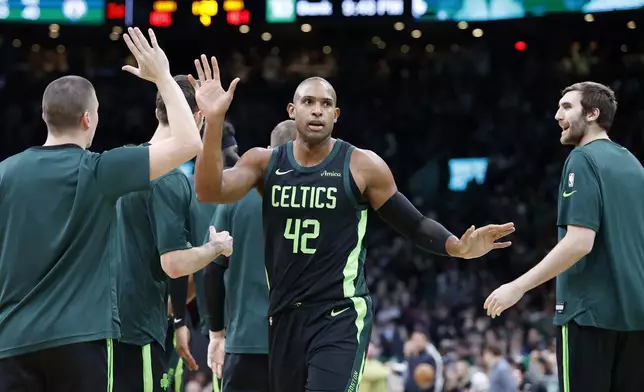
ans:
(290, 109)
(86, 121)
(593, 114)
(336, 114)
(156, 114)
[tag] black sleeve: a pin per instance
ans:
(402, 216)
(215, 293)
(179, 295)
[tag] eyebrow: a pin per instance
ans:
(314, 98)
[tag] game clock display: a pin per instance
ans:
(85, 12)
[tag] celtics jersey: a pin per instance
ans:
(314, 227)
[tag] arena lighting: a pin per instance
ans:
(631, 25)
(589, 18)
(520, 46)
(160, 19)
(205, 9)
(164, 6)
(236, 18)
(115, 11)
(233, 5)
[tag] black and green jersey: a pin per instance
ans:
(314, 225)
(601, 189)
(150, 223)
(57, 259)
(246, 308)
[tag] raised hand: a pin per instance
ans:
(222, 242)
(212, 99)
(476, 243)
(152, 63)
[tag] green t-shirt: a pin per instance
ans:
(246, 307)
(150, 223)
(57, 275)
(202, 215)
(601, 189)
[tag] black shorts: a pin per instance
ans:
(598, 360)
(140, 368)
(80, 367)
(320, 348)
(245, 373)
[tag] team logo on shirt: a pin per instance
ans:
(571, 180)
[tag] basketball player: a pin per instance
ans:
(599, 260)
(239, 286)
(153, 229)
(58, 305)
(317, 191)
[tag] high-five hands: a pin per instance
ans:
(152, 63)
(478, 242)
(212, 99)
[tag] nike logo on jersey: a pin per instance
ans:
(568, 194)
(177, 321)
(281, 173)
(334, 313)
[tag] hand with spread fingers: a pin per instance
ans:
(212, 99)
(152, 63)
(478, 242)
(503, 298)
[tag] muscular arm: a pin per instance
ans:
(576, 244)
(184, 262)
(213, 184)
(377, 181)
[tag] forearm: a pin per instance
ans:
(188, 261)
(210, 163)
(215, 293)
(180, 118)
(429, 235)
(178, 295)
(561, 257)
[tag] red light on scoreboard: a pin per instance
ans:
(115, 11)
(520, 46)
(237, 18)
(160, 19)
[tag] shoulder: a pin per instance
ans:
(173, 181)
(257, 157)
(580, 157)
(367, 163)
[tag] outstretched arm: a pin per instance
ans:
(212, 184)
(394, 208)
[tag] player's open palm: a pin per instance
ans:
(212, 99)
(152, 63)
(478, 242)
(221, 241)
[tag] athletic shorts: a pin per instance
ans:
(598, 360)
(140, 368)
(245, 373)
(319, 348)
(72, 368)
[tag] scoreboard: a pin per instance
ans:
(289, 11)
(53, 11)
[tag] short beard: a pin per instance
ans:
(576, 132)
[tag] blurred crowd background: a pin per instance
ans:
(422, 103)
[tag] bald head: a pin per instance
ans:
(65, 102)
(283, 133)
(315, 79)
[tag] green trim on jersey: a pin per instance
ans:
(346, 180)
(319, 166)
(110, 365)
(352, 267)
(271, 163)
(148, 379)
(565, 355)
(362, 336)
